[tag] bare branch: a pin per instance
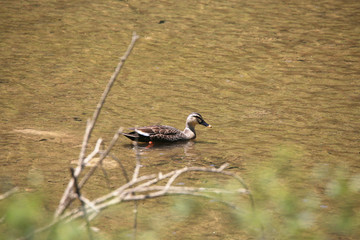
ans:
(178, 189)
(89, 203)
(93, 154)
(102, 157)
(125, 193)
(104, 95)
(66, 200)
(83, 209)
(67, 197)
(9, 193)
(138, 163)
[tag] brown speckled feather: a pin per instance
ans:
(158, 129)
(161, 133)
(166, 133)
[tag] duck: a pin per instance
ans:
(163, 133)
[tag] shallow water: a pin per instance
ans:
(266, 75)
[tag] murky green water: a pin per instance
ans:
(266, 74)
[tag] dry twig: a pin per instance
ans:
(83, 209)
(66, 199)
(130, 192)
(9, 193)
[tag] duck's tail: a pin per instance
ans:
(134, 136)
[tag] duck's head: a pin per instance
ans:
(196, 118)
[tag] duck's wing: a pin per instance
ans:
(154, 133)
(163, 133)
(157, 129)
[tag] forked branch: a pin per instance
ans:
(66, 198)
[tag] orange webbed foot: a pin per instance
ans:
(151, 144)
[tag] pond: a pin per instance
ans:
(269, 76)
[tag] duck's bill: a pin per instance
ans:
(206, 125)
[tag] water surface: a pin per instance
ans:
(267, 75)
